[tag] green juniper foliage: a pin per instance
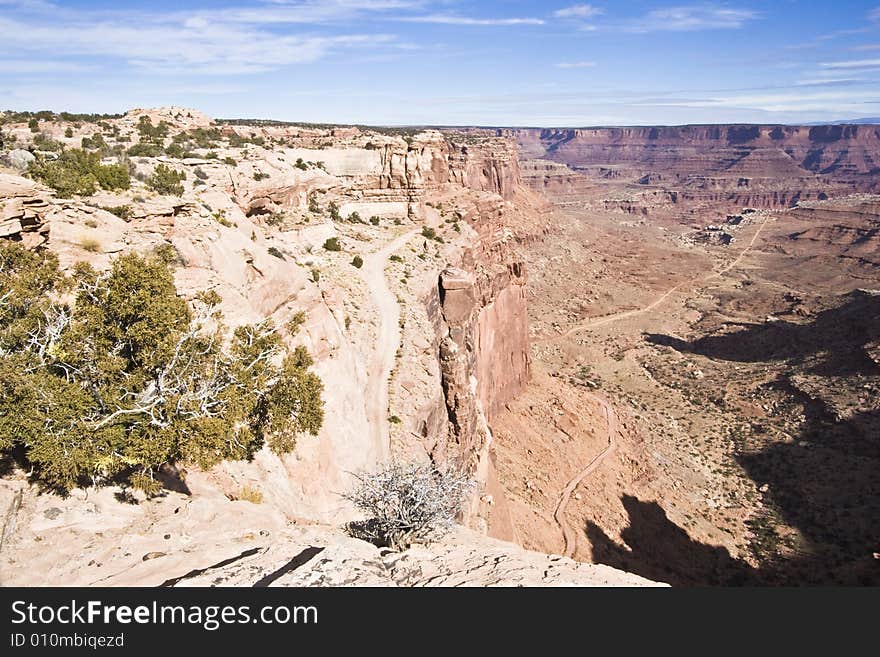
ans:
(166, 180)
(108, 376)
(78, 171)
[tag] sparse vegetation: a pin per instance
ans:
(77, 171)
(274, 251)
(408, 503)
(357, 261)
(90, 244)
(332, 244)
(166, 180)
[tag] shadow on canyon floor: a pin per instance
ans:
(825, 483)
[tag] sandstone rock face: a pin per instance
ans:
(19, 159)
(207, 540)
(23, 210)
(247, 228)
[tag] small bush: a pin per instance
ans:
(144, 150)
(166, 180)
(357, 261)
(46, 143)
(334, 211)
(316, 275)
(90, 244)
(68, 133)
(408, 503)
(332, 244)
(374, 220)
(429, 233)
(395, 258)
(300, 164)
(275, 252)
(259, 175)
(355, 218)
(248, 494)
(230, 161)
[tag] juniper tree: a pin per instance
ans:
(108, 376)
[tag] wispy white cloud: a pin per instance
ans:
(190, 47)
(579, 11)
(851, 64)
(866, 46)
(576, 64)
(30, 67)
(447, 19)
(690, 18)
(304, 11)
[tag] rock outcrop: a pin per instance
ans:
(206, 540)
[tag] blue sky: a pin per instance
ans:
(451, 62)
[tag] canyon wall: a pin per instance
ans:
(735, 165)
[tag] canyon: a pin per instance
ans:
(654, 349)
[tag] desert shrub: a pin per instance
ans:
(77, 171)
(68, 132)
(121, 211)
(95, 142)
(248, 494)
(407, 503)
(43, 142)
(150, 132)
(259, 175)
(374, 220)
(316, 275)
(429, 233)
(175, 150)
(200, 174)
(355, 218)
(90, 244)
(300, 164)
(357, 261)
(273, 251)
(166, 180)
(313, 205)
(332, 244)
(34, 125)
(395, 258)
(108, 376)
(144, 149)
(274, 219)
(334, 211)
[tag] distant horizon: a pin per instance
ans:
(451, 62)
(867, 121)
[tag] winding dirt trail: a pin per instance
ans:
(608, 319)
(387, 341)
(564, 497)
(608, 410)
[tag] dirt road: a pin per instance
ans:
(387, 341)
(616, 317)
(564, 497)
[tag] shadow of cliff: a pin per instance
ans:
(662, 551)
(832, 344)
(824, 482)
